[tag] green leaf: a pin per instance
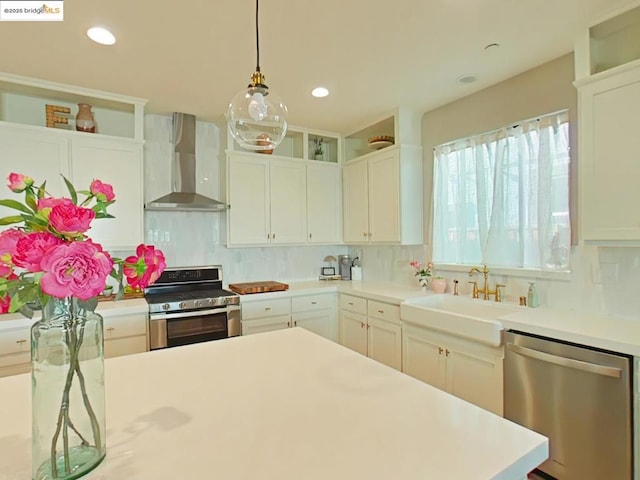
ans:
(15, 205)
(16, 303)
(72, 190)
(42, 190)
(10, 220)
(31, 201)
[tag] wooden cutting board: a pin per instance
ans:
(257, 287)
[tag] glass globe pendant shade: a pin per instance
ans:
(256, 118)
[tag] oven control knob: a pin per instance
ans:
(166, 306)
(197, 303)
(182, 305)
(210, 301)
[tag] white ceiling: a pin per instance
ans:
(194, 55)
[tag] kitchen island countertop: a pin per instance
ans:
(280, 405)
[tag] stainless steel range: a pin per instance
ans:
(188, 305)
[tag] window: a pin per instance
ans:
(502, 198)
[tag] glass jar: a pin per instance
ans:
(68, 407)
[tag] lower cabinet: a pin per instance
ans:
(315, 313)
(15, 351)
(469, 370)
(372, 328)
(125, 334)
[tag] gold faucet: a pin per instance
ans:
(486, 291)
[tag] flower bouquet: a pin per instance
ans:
(48, 261)
(422, 271)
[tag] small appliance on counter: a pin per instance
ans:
(344, 265)
(329, 272)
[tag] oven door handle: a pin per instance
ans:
(195, 313)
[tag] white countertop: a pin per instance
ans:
(384, 292)
(600, 331)
(280, 405)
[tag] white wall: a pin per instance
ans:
(198, 238)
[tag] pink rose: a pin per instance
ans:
(69, 219)
(6, 271)
(144, 268)
(8, 240)
(102, 191)
(18, 182)
(32, 248)
(50, 202)
(77, 268)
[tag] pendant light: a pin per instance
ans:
(256, 116)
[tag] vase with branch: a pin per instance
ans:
(318, 148)
(47, 259)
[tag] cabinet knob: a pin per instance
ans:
(447, 352)
(311, 235)
(380, 311)
(266, 309)
(268, 235)
(21, 341)
(288, 324)
(273, 235)
(365, 234)
(314, 303)
(440, 350)
(295, 323)
(361, 324)
(351, 303)
(110, 329)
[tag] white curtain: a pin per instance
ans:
(502, 198)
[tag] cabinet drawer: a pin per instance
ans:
(266, 308)
(124, 326)
(15, 341)
(353, 304)
(384, 311)
(311, 302)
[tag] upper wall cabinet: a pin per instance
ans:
(608, 82)
(115, 156)
(382, 183)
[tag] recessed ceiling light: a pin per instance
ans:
(319, 92)
(468, 78)
(101, 35)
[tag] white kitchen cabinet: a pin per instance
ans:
(125, 334)
(609, 150)
(466, 369)
(265, 315)
(33, 152)
(15, 351)
(46, 155)
(315, 313)
(371, 328)
(382, 197)
(117, 162)
(324, 213)
(268, 200)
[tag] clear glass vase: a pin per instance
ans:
(67, 378)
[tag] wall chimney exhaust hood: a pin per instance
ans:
(183, 173)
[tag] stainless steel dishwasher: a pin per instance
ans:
(578, 397)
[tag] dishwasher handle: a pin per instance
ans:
(566, 362)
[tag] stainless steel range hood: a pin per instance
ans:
(183, 174)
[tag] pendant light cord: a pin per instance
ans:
(257, 41)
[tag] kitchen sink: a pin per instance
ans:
(474, 319)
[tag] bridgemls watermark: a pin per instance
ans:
(31, 11)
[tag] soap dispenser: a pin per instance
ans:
(532, 295)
